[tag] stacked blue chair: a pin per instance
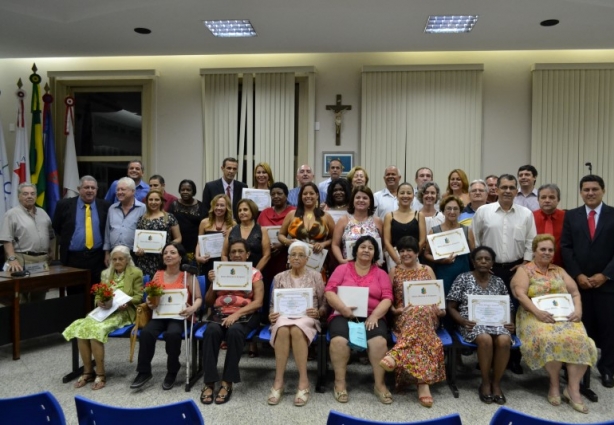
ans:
(92, 413)
(506, 416)
(34, 409)
(337, 418)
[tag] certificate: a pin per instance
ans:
(559, 305)
(292, 303)
(119, 299)
(355, 296)
(273, 231)
(489, 310)
(424, 292)
(444, 244)
(337, 214)
(350, 244)
(262, 197)
(211, 245)
(316, 261)
(172, 302)
(232, 276)
(150, 241)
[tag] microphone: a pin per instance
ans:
(590, 167)
(189, 268)
(24, 272)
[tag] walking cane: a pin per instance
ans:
(186, 268)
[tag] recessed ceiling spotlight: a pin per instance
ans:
(450, 24)
(549, 22)
(142, 30)
(231, 28)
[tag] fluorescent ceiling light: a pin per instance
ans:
(449, 24)
(231, 28)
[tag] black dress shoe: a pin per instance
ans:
(515, 368)
(607, 381)
(499, 399)
(169, 381)
(485, 398)
(140, 380)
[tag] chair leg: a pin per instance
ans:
(451, 371)
(322, 363)
(585, 387)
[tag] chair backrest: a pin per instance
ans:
(92, 413)
(506, 416)
(40, 408)
(338, 418)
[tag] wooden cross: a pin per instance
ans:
(338, 109)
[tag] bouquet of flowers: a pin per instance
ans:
(154, 289)
(102, 291)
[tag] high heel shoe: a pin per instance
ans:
(578, 407)
(388, 363)
(425, 400)
(554, 400)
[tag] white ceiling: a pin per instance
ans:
(66, 28)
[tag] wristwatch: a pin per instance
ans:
(12, 258)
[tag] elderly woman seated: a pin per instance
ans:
(494, 342)
(549, 341)
(295, 333)
(91, 334)
(360, 272)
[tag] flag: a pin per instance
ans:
(52, 190)
(5, 177)
(21, 168)
(71, 171)
(37, 172)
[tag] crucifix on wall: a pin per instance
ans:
(338, 109)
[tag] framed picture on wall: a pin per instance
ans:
(346, 158)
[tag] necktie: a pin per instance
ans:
(89, 232)
(591, 223)
(228, 193)
(549, 228)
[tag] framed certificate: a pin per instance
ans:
(272, 231)
(172, 302)
(424, 292)
(119, 298)
(350, 244)
(337, 214)
(444, 244)
(316, 261)
(355, 296)
(232, 276)
(559, 305)
(292, 303)
(489, 310)
(211, 244)
(262, 197)
(150, 241)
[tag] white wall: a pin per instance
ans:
(178, 154)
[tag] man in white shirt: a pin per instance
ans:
(423, 175)
(386, 199)
(527, 195)
(335, 168)
(509, 230)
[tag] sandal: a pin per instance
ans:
(388, 363)
(85, 379)
(384, 398)
(207, 398)
(425, 400)
(341, 396)
(302, 397)
(99, 382)
(223, 398)
(275, 396)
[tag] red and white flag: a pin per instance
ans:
(71, 171)
(21, 166)
(5, 177)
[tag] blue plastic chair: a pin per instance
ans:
(92, 413)
(40, 408)
(506, 416)
(337, 418)
(515, 342)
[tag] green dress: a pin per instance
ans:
(88, 328)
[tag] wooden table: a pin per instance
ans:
(37, 316)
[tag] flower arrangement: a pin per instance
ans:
(154, 289)
(102, 291)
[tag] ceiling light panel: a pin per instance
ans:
(450, 24)
(231, 28)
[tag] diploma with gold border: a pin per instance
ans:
(150, 241)
(424, 292)
(489, 310)
(292, 302)
(451, 242)
(232, 276)
(559, 305)
(172, 301)
(262, 197)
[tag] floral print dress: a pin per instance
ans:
(150, 263)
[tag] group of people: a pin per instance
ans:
(521, 245)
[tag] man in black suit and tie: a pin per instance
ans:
(227, 185)
(587, 245)
(79, 222)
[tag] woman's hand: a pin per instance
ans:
(371, 322)
(103, 305)
(544, 316)
(448, 260)
(317, 247)
(187, 311)
(510, 327)
(211, 275)
(122, 307)
(347, 312)
(139, 252)
(396, 311)
(202, 259)
(273, 318)
(231, 320)
(469, 324)
(276, 246)
(575, 316)
(313, 313)
(439, 312)
(150, 305)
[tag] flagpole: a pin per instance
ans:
(21, 167)
(37, 167)
(52, 189)
(71, 170)
(5, 176)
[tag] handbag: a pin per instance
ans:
(143, 316)
(358, 336)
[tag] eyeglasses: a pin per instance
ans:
(451, 209)
(477, 190)
(297, 255)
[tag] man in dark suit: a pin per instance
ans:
(227, 185)
(78, 246)
(587, 244)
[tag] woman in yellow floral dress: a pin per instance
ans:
(547, 342)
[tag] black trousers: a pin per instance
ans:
(598, 319)
(92, 260)
(235, 340)
(172, 329)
